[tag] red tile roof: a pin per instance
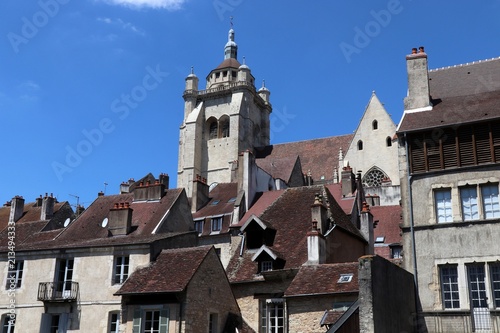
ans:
(170, 273)
(319, 156)
(229, 63)
(389, 219)
(290, 216)
(278, 168)
(324, 279)
(264, 202)
(346, 203)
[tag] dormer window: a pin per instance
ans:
(216, 224)
(266, 265)
(198, 226)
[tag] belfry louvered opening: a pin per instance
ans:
(454, 147)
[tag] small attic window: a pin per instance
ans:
(380, 239)
(266, 265)
(375, 124)
(232, 200)
(345, 278)
(215, 202)
(360, 145)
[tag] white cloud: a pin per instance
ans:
(156, 4)
(29, 85)
(122, 24)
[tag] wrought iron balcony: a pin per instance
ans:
(58, 291)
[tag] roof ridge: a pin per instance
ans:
(314, 139)
(465, 64)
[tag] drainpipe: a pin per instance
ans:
(410, 203)
(412, 232)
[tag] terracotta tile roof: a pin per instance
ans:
(170, 273)
(324, 279)
(29, 228)
(220, 203)
(145, 217)
(278, 168)
(460, 94)
(319, 156)
(229, 62)
(346, 203)
(389, 219)
(264, 202)
(290, 216)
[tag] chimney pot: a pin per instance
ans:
(315, 225)
(117, 205)
(414, 50)
(421, 49)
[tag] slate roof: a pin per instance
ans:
(460, 94)
(319, 156)
(170, 273)
(290, 215)
(324, 279)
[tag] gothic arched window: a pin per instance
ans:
(374, 177)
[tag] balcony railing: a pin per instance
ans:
(58, 291)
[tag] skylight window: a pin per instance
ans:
(232, 199)
(345, 278)
(215, 202)
(380, 239)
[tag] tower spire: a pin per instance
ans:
(231, 49)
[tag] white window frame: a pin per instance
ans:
(114, 322)
(490, 198)
(199, 223)
(8, 324)
(442, 202)
(15, 275)
(139, 321)
(216, 221)
(469, 203)
(270, 318)
(121, 269)
(448, 275)
(266, 265)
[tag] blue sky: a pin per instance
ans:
(67, 67)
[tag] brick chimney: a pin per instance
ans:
(348, 181)
(120, 219)
(47, 207)
(141, 192)
(366, 227)
(316, 246)
(156, 191)
(200, 193)
(418, 81)
(16, 208)
(319, 213)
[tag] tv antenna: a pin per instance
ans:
(77, 207)
(105, 184)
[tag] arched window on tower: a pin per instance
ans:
(224, 125)
(360, 145)
(375, 124)
(388, 141)
(212, 128)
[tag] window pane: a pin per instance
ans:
(495, 283)
(477, 286)
(443, 205)
(449, 287)
(468, 196)
(490, 201)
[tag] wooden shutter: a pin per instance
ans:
(482, 142)
(466, 147)
(63, 323)
(450, 149)
(45, 323)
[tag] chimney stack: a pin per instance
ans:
(316, 246)
(418, 81)
(47, 207)
(366, 227)
(120, 219)
(319, 214)
(348, 181)
(16, 208)
(200, 193)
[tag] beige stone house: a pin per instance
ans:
(185, 290)
(449, 152)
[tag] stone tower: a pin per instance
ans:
(228, 117)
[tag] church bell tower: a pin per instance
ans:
(228, 117)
